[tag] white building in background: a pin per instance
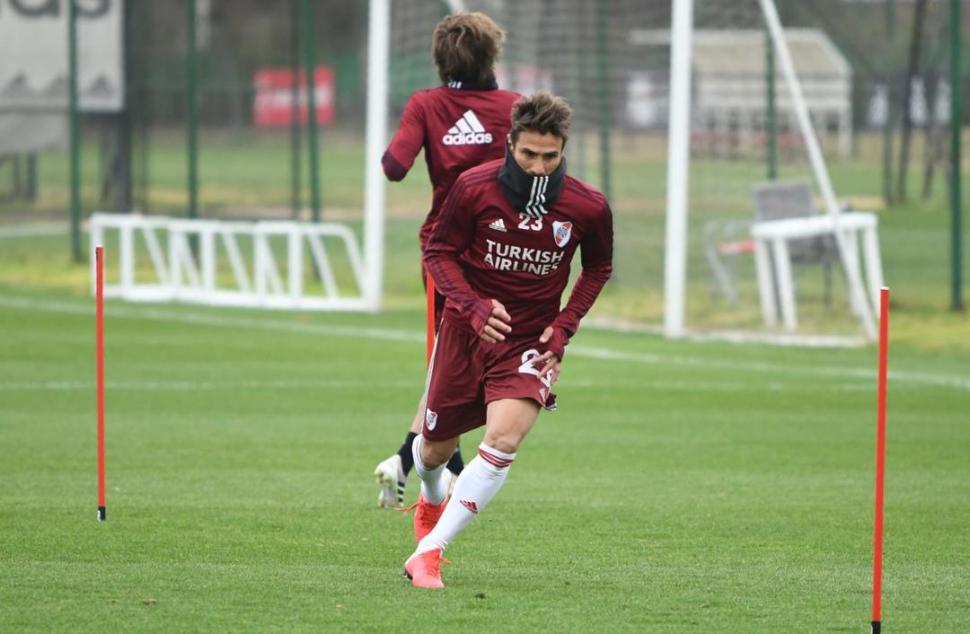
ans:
(729, 91)
(729, 87)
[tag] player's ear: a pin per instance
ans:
(509, 143)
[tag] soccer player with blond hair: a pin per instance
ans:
(460, 124)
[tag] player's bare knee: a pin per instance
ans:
(436, 453)
(509, 421)
(506, 441)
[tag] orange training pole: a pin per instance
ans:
(430, 323)
(99, 301)
(880, 460)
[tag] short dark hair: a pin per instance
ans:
(465, 47)
(541, 112)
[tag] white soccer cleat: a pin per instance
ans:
(390, 476)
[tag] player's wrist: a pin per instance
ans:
(478, 316)
(558, 341)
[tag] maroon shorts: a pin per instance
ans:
(467, 373)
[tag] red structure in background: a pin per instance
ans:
(273, 103)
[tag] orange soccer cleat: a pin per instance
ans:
(424, 569)
(426, 515)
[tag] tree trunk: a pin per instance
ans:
(915, 48)
(888, 128)
(934, 132)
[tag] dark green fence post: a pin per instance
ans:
(74, 132)
(139, 44)
(602, 73)
(192, 106)
(295, 127)
(125, 118)
(956, 125)
(309, 52)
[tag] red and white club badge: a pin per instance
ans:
(561, 232)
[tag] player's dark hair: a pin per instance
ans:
(465, 47)
(541, 112)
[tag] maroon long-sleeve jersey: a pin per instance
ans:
(483, 249)
(458, 129)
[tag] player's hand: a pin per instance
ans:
(548, 363)
(497, 326)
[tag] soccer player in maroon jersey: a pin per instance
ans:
(501, 254)
(459, 125)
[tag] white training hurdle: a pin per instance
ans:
(185, 265)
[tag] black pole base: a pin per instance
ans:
(102, 514)
(876, 627)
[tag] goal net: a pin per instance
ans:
(747, 151)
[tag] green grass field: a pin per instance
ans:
(683, 486)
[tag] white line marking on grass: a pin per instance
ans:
(272, 325)
(786, 340)
(716, 386)
(193, 386)
(606, 354)
(412, 336)
(199, 386)
(34, 229)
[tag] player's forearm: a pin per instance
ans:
(582, 297)
(393, 169)
(450, 281)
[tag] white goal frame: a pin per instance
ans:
(675, 265)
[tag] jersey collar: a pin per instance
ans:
(463, 84)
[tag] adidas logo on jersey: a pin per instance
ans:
(498, 225)
(468, 130)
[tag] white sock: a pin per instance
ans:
(475, 488)
(432, 487)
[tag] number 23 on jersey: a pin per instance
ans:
(528, 223)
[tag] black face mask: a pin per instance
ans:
(531, 195)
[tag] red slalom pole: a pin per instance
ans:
(880, 460)
(430, 325)
(99, 302)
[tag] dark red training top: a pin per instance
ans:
(483, 249)
(458, 129)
